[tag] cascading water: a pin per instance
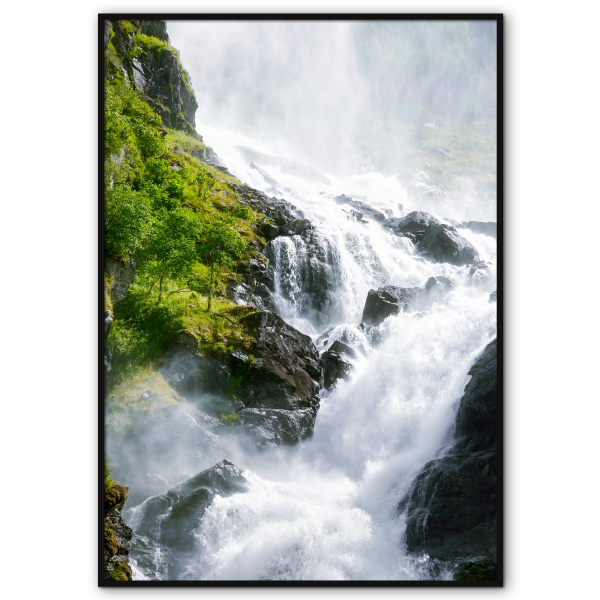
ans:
(326, 508)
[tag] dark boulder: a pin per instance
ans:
(295, 227)
(278, 211)
(435, 240)
(267, 230)
(256, 295)
(364, 210)
(336, 364)
(442, 243)
(452, 506)
(285, 371)
(271, 427)
(171, 518)
(476, 568)
(416, 222)
(494, 296)
(386, 301)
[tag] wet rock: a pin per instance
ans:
(435, 240)
(258, 295)
(316, 263)
(121, 276)
(272, 427)
(268, 230)
(477, 415)
(285, 371)
(295, 227)
(494, 296)
(488, 228)
(386, 301)
(452, 506)
(476, 569)
(416, 222)
(171, 518)
(364, 210)
(264, 174)
(257, 285)
(117, 535)
(442, 243)
(278, 211)
(336, 364)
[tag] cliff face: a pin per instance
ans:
(117, 535)
(452, 507)
(140, 52)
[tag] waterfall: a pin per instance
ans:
(327, 508)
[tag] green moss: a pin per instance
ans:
(121, 572)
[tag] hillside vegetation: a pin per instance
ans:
(176, 217)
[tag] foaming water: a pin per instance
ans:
(327, 508)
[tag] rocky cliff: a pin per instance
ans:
(117, 535)
(452, 507)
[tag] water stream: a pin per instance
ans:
(327, 507)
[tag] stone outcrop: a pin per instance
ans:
(285, 371)
(117, 535)
(336, 364)
(170, 519)
(385, 302)
(257, 285)
(436, 241)
(362, 210)
(452, 506)
(154, 69)
(121, 274)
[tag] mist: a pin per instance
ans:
(355, 96)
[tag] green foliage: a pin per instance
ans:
(160, 203)
(230, 419)
(108, 530)
(108, 483)
(128, 221)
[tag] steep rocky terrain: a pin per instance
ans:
(452, 508)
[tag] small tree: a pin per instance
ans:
(221, 246)
(205, 185)
(172, 252)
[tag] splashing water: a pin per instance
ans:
(326, 509)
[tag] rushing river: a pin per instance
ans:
(326, 508)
